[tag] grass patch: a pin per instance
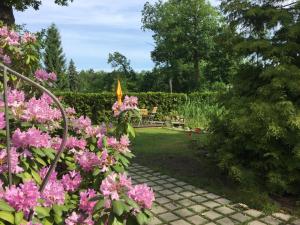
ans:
(172, 152)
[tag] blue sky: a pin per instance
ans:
(91, 29)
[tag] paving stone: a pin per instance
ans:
(175, 197)
(211, 196)
(172, 206)
(199, 191)
(256, 222)
(196, 220)
(187, 194)
(190, 187)
(177, 189)
(225, 221)
(166, 192)
(162, 200)
(180, 183)
(172, 179)
(282, 216)
(158, 209)
(161, 181)
(154, 221)
(180, 222)
(240, 217)
(212, 215)
(186, 202)
(199, 199)
(165, 177)
(198, 208)
(296, 222)
(271, 220)
(210, 223)
(222, 201)
(253, 213)
(157, 188)
(183, 213)
(169, 185)
(211, 204)
(168, 217)
(225, 210)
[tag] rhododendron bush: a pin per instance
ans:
(89, 185)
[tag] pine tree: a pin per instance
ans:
(257, 139)
(54, 58)
(72, 76)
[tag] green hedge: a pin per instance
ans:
(98, 105)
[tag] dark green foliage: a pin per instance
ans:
(73, 77)
(98, 105)
(54, 58)
(257, 139)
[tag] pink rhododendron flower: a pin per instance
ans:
(6, 59)
(15, 98)
(14, 159)
(81, 123)
(78, 219)
(129, 103)
(87, 160)
(121, 146)
(142, 194)
(71, 181)
(28, 38)
(2, 120)
(113, 185)
(44, 171)
(13, 38)
(85, 204)
(23, 198)
(4, 31)
(46, 98)
(54, 193)
(39, 110)
(70, 111)
(2, 192)
(73, 142)
(42, 75)
(92, 131)
(31, 138)
(106, 161)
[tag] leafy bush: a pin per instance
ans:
(88, 184)
(98, 105)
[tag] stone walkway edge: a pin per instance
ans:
(179, 203)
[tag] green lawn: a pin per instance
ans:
(173, 153)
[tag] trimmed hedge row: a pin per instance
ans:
(98, 105)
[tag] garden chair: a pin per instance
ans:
(152, 114)
(145, 116)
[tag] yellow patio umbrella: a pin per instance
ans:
(119, 93)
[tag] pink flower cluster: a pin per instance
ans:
(121, 145)
(23, 198)
(72, 143)
(87, 160)
(2, 120)
(81, 123)
(71, 181)
(115, 184)
(10, 37)
(42, 75)
(54, 192)
(129, 103)
(14, 161)
(28, 38)
(31, 138)
(15, 98)
(40, 110)
(85, 204)
(79, 219)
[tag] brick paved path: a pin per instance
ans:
(178, 203)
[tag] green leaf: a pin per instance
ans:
(36, 177)
(117, 222)
(42, 211)
(99, 205)
(130, 130)
(19, 217)
(6, 207)
(118, 207)
(7, 216)
(141, 218)
(39, 160)
(47, 222)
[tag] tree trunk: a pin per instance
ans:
(171, 85)
(6, 14)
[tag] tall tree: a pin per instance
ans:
(258, 136)
(54, 58)
(123, 70)
(7, 6)
(73, 76)
(183, 31)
